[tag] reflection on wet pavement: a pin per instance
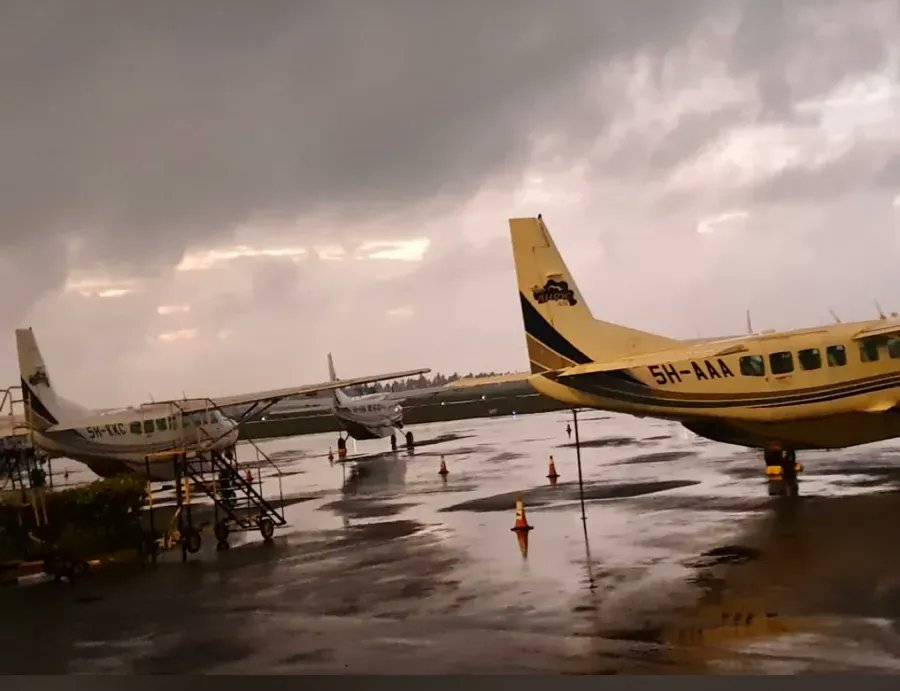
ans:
(686, 564)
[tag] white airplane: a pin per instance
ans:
(116, 442)
(373, 416)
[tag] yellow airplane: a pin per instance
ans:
(825, 387)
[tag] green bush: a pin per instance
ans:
(94, 518)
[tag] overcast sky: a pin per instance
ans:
(210, 196)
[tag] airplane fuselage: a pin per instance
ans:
(811, 388)
(369, 417)
(119, 443)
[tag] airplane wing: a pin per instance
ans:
(704, 350)
(485, 381)
(889, 329)
(271, 397)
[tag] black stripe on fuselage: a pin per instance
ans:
(541, 330)
(615, 390)
(622, 385)
(544, 333)
(76, 440)
(37, 405)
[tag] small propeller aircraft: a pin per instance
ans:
(371, 416)
(115, 442)
(825, 387)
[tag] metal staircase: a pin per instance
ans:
(238, 501)
(17, 449)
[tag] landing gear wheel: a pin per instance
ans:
(221, 531)
(266, 528)
(410, 442)
(222, 545)
(789, 471)
(393, 442)
(192, 541)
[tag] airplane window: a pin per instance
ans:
(894, 347)
(868, 350)
(837, 356)
(753, 366)
(810, 359)
(135, 427)
(161, 424)
(148, 426)
(781, 363)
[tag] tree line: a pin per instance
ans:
(423, 382)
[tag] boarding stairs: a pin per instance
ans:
(239, 503)
(239, 498)
(17, 449)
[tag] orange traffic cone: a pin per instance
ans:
(443, 470)
(521, 521)
(522, 538)
(552, 474)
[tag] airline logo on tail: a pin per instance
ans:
(39, 377)
(554, 291)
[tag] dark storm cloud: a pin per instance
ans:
(799, 49)
(27, 272)
(145, 126)
(641, 156)
(863, 168)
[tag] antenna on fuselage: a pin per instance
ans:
(837, 319)
(749, 324)
(880, 311)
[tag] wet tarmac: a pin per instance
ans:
(689, 562)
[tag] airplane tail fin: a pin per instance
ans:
(45, 408)
(338, 397)
(560, 329)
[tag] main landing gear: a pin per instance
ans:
(408, 437)
(410, 441)
(782, 464)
